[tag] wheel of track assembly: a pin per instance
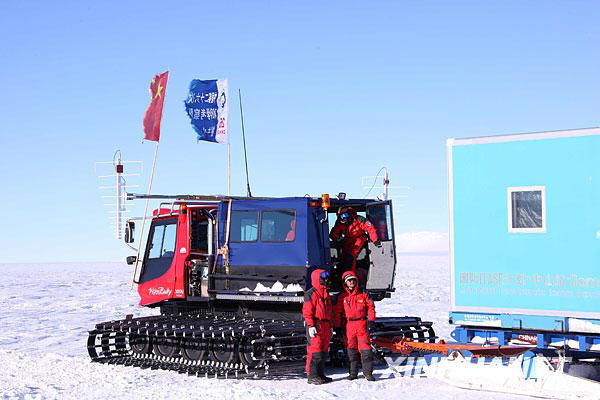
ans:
(192, 350)
(166, 347)
(245, 354)
(225, 352)
(140, 344)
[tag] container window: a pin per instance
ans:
(527, 209)
(244, 226)
(278, 226)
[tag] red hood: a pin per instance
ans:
(315, 280)
(349, 273)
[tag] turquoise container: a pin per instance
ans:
(524, 213)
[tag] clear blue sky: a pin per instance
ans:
(332, 92)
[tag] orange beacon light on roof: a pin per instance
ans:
(325, 203)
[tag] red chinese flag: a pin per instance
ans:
(158, 89)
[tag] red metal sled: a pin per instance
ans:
(407, 346)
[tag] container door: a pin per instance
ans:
(382, 259)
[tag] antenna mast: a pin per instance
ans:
(248, 192)
(370, 182)
(118, 209)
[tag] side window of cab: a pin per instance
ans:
(278, 226)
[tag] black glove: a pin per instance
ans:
(370, 326)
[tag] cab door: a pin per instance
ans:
(382, 259)
(161, 249)
(157, 278)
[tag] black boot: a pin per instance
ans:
(367, 364)
(321, 369)
(352, 364)
(313, 370)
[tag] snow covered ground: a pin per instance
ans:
(47, 309)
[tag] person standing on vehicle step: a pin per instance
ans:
(356, 311)
(318, 313)
(351, 231)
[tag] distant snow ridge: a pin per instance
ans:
(424, 242)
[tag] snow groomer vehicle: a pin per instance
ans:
(228, 276)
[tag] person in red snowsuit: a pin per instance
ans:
(318, 314)
(351, 231)
(356, 311)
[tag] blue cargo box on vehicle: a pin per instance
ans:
(525, 231)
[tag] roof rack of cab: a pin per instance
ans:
(191, 197)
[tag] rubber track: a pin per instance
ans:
(284, 341)
(279, 346)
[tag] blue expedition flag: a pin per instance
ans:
(207, 106)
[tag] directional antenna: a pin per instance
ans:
(111, 177)
(382, 182)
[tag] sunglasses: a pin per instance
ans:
(324, 275)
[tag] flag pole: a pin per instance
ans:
(152, 132)
(228, 168)
(137, 258)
